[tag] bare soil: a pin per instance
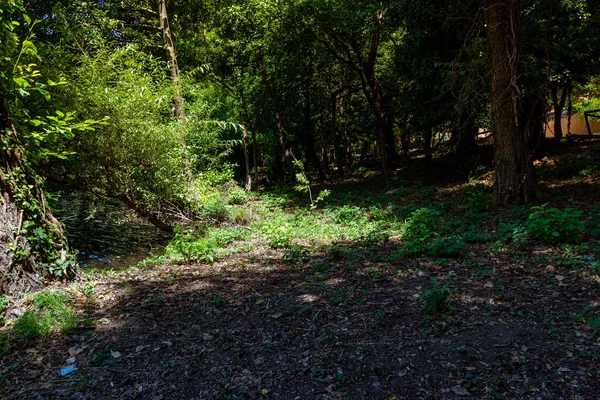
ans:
(254, 327)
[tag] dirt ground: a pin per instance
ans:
(257, 328)
(521, 325)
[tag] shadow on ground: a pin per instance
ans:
(255, 328)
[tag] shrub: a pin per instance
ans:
(240, 215)
(553, 225)
(436, 299)
(347, 214)
(278, 237)
(213, 208)
(421, 224)
(373, 238)
(338, 253)
(190, 245)
(237, 196)
(447, 246)
(479, 196)
(296, 254)
(594, 221)
(4, 301)
(223, 237)
(419, 229)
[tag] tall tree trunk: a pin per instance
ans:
(255, 157)
(22, 256)
(178, 106)
(405, 141)
(324, 157)
(169, 45)
(569, 108)
(515, 180)
(465, 145)
(376, 98)
(310, 149)
(386, 144)
(247, 159)
(534, 105)
(340, 154)
(559, 105)
(427, 134)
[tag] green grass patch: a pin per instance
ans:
(50, 313)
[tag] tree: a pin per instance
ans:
(515, 180)
(32, 244)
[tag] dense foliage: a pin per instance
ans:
(168, 101)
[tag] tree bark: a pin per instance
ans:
(515, 180)
(247, 159)
(534, 105)
(427, 134)
(310, 148)
(465, 145)
(559, 105)
(338, 139)
(21, 259)
(178, 108)
(376, 98)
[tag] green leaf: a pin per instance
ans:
(594, 323)
(44, 93)
(21, 82)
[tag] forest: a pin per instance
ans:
(300, 199)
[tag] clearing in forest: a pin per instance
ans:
(406, 291)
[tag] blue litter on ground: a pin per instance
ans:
(67, 370)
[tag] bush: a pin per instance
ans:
(236, 196)
(436, 299)
(373, 238)
(4, 301)
(555, 226)
(189, 246)
(421, 225)
(296, 254)
(479, 196)
(240, 215)
(223, 237)
(419, 229)
(447, 246)
(278, 235)
(213, 208)
(347, 214)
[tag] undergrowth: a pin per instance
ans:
(49, 312)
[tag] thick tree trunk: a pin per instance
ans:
(22, 203)
(515, 180)
(178, 106)
(386, 145)
(324, 158)
(255, 157)
(559, 105)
